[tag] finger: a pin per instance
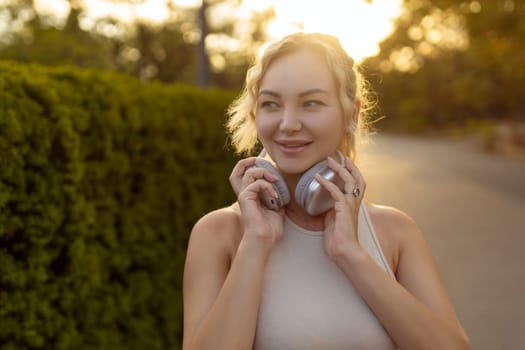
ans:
(253, 174)
(238, 172)
(350, 183)
(242, 165)
(260, 173)
(253, 190)
(358, 176)
(335, 192)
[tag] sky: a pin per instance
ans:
(359, 25)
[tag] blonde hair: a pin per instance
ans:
(241, 113)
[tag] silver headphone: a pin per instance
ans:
(309, 193)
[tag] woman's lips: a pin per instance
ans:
(292, 147)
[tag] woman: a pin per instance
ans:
(357, 276)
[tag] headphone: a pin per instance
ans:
(309, 193)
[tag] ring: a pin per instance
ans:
(356, 192)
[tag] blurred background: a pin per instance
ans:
(452, 66)
(447, 77)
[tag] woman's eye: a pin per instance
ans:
(269, 104)
(313, 103)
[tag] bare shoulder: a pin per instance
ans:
(217, 230)
(415, 267)
(394, 229)
(389, 215)
(212, 245)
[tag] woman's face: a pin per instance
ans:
(299, 118)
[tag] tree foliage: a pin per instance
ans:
(102, 178)
(452, 63)
(166, 51)
(39, 41)
(447, 62)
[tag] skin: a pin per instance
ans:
(299, 121)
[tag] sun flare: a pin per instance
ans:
(359, 25)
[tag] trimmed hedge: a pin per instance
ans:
(101, 179)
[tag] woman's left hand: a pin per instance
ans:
(340, 234)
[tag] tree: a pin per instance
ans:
(228, 44)
(203, 73)
(41, 40)
(454, 61)
(168, 51)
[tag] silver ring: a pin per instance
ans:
(356, 192)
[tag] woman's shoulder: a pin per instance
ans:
(389, 216)
(219, 217)
(394, 229)
(220, 228)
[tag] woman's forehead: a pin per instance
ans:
(302, 70)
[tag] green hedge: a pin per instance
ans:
(101, 180)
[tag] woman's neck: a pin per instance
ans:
(301, 218)
(296, 213)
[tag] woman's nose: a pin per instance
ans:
(290, 120)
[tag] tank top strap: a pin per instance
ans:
(368, 239)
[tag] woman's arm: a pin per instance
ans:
(415, 310)
(225, 263)
(222, 284)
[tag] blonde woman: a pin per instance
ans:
(300, 261)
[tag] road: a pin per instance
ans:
(470, 207)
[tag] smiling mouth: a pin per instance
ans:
(294, 143)
(293, 146)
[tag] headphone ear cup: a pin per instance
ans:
(311, 195)
(279, 186)
(304, 186)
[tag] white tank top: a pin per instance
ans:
(308, 303)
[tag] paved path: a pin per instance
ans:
(471, 209)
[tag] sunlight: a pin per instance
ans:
(58, 8)
(151, 10)
(360, 26)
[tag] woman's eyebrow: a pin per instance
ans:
(302, 94)
(313, 91)
(269, 92)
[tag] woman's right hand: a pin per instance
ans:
(248, 183)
